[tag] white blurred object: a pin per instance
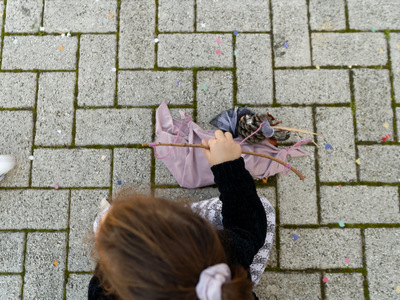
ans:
(104, 204)
(7, 162)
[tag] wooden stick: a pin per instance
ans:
(295, 130)
(301, 176)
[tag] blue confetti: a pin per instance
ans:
(286, 45)
(328, 146)
(235, 32)
(295, 237)
(119, 182)
(235, 52)
(341, 223)
(178, 83)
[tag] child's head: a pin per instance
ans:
(151, 248)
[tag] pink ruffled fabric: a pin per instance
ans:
(190, 167)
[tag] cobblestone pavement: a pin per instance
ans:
(80, 81)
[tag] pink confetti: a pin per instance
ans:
(56, 186)
(339, 185)
(218, 40)
(325, 279)
(347, 259)
(218, 52)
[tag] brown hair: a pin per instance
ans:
(151, 248)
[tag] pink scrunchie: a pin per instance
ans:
(211, 281)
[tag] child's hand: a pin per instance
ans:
(222, 148)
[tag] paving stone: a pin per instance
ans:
(368, 14)
(11, 252)
(327, 15)
(395, 60)
(195, 50)
(23, 15)
(85, 205)
(338, 163)
(288, 286)
(77, 286)
(360, 204)
(163, 175)
(10, 287)
(55, 108)
(33, 209)
(28, 52)
(44, 280)
(18, 89)
(97, 73)
(80, 16)
(143, 88)
(344, 286)
(312, 86)
(71, 167)
(174, 16)
(344, 49)
(16, 133)
(291, 37)
(298, 198)
(137, 34)
(373, 104)
(382, 252)
(378, 163)
(320, 248)
(224, 15)
(214, 95)
(132, 168)
(254, 69)
(113, 126)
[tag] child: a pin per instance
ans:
(151, 248)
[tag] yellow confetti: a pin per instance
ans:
(317, 66)
(61, 47)
(381, 50)
(103, 157)
(398, 289)
(398, 46)
(386, 125)
(264, 180)
(111, 15)
(55, 262)
(350, 66)
(358, 161)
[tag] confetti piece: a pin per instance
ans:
(68, 34)
(318, 67)
(358, 161)
(204, 87)
(386, 125)
(325, 279)
(383, 139)
(55, 262)
(41, 28)
(381, 50)
(398, 46)
(218, 52)
(264, 180)
(63, 35)
(218, 40)
(61, 47)
(111, 15)
(1, 15)
(350, 66)
(363, 187)
(286, 45)
(328, 147)
(31, 157)
(235, 32)
(119, 182)
(295, 237)
(341, 223)
(203, 25)
(59, 131)
(114, 69)
(15, 41)
(387, 136)
(103, 157)
(339, 186)
(56, 186)
(178, 82)
(156, 40)
(347, 259)
(398, 289)
(151, 134)
(373, 29)
(235, 52)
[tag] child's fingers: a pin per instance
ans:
(228, 135)
(219, 134)
(206, 152)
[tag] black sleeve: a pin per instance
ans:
(242, 211)
(95, 290)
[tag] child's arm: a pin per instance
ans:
(242, 211)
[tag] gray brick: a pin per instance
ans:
(77, 286)
(288, 286)
(291, 188)
(217, 97)
(176, 16)
(23, 15)
(137, 33)
(17, 89)
(327, 15)
(344, 286)
(360, 204)
(290, 26)
(33, 209)
(344, 49)
(193, 195)
(16, 134)
(97, 78)
(195, 50)
(55, 109)
(132, 167)
(320, 248)
(395, 60)
(163, 175)
(367, 14)
(382, 253)
(336, 125)
(71, 168)
(11, 252)
(379, 163)
(312, 86)
(80, 16)
(373, 104)
(28, 52)
(225, 15)
(113, 126)
(10, 287)
(254, 68)
(85, 205)
(139, 88)
(44, 280)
